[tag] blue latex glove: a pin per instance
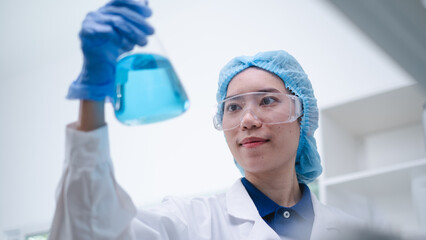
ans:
(105, 35)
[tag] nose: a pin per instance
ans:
(250, 121)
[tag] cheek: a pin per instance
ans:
(295, 132)
(289, 134)
(229, 140)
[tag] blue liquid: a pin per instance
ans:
(148, 90)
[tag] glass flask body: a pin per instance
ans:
(148, 89)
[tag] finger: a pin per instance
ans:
(130, 15)
(138, 6)
(124, 28)
(97, 32)
(126, 45)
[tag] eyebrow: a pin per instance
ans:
(273, 90)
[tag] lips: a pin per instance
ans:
(251, 142)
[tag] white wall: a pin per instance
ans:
(40, 57)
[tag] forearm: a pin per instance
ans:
(91, 115)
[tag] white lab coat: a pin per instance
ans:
(91, 205)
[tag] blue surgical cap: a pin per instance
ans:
(285, 66)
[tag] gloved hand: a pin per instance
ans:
(105, 35)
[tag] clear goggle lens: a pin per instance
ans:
(265, 107)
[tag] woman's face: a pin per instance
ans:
(261, 148)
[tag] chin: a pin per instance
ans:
(256, 165)
(262, 164)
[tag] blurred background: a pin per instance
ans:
(366, 61)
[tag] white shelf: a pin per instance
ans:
(372, 150)
(374, 132)
(379, 196)
(380, 112)
(390, 180)
(373, 174)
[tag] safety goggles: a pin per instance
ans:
(265, 107)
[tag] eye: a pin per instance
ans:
(268, 100)
(232, 107)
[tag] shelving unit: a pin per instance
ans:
(372, 151)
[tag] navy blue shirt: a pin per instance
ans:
(294, 222)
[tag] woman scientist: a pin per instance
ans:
(268, 112)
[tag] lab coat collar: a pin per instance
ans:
(325, 221)
(266, 206)
(240, 205)
(239, 202)
(263, 203)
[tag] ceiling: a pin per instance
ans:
(397, 27)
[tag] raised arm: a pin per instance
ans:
(91, 115)
(89, 202)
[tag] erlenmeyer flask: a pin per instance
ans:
(148, 89)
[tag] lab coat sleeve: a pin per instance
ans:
(90, 204)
